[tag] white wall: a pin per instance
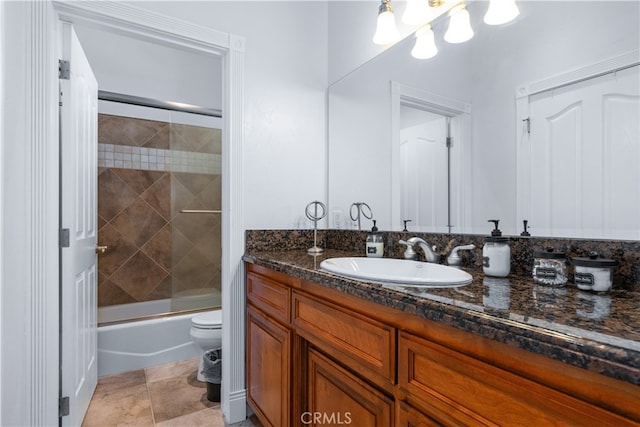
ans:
(135, 67)
(2, 142)
(285, 83)
(352, 25)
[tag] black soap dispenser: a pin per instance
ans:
(496, 253)
(375, 243)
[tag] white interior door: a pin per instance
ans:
(585, 159)
(423, 172)
(79, 115)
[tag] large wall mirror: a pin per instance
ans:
(389, 120)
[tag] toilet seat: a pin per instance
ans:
(208, 320)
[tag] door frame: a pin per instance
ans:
(527, 90)
(157, 28)
(460, 191)
(30, 365)
(30, 159)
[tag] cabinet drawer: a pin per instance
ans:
(269, 295)
(438, 379)
(365, 345)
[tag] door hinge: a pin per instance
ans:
(63, 406)
(449, 142)
(64, 238)
(64, 69)
(528, 120)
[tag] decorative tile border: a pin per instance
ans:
(143, 158)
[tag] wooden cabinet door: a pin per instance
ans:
(336, 397)
(268, 369)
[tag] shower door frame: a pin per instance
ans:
(150, 26)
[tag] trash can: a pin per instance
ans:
(212, 373)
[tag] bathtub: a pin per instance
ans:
(139, 344)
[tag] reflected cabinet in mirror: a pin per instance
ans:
(537, 119)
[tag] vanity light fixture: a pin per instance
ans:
(425, 46)
(459, 30)
(386, 30)
(501, 12)
(423, 12)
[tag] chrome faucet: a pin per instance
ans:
(429, 252)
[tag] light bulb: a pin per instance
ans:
(501, 12)
(425, 46)
(386, 30)
(459, 25)
(416, 13)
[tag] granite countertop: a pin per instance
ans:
(597, 332)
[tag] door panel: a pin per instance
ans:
(622, 165)
(78, 121)
(423, 170)
(585, 157)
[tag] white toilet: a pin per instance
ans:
(206, 333)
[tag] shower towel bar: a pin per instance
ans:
(200, 211)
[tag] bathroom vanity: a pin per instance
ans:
(323, 349)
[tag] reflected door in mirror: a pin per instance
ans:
(424, 169)
(585, 158)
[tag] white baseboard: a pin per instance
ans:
(236, 407)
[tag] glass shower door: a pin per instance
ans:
(196, 250)
(159, 202)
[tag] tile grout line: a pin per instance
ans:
(146, 383)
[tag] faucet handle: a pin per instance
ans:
(454, 260)
(409, 253)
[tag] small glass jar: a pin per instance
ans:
(550, 268)
(593, 273)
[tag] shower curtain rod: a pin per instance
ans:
(165, 105)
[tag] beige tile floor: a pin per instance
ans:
(164, 395)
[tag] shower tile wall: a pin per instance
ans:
(148, 172)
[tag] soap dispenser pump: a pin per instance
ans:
(375, 243)
(496, 253)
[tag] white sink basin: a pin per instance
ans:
(400, 271)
